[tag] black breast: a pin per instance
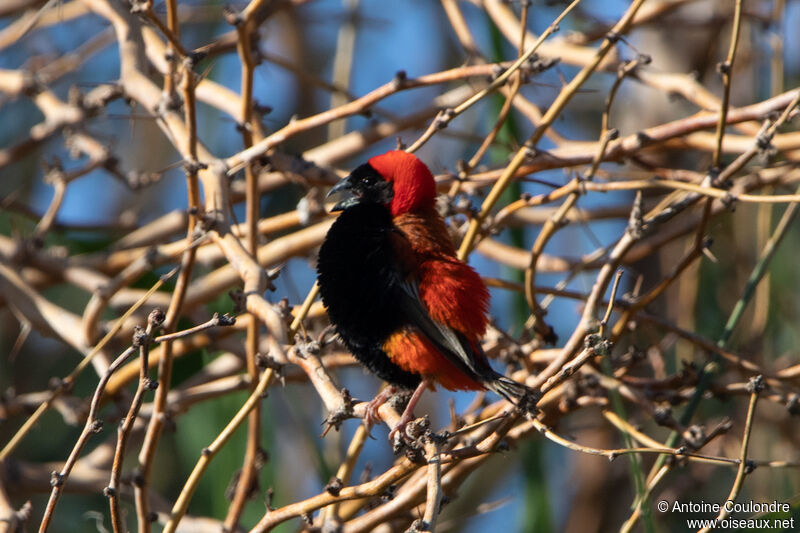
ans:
(358, 282)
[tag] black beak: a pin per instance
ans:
(344, 187)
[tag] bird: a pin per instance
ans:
(397, 295)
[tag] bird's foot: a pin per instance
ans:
(371, 414)
(401, 428)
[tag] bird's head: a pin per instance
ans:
(396, 179)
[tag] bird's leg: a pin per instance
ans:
(408, 413)
(371, 415)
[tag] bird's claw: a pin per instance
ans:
(410, 429)
(371, 414)
(402, 427)
(371, 417)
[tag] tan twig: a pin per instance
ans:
(113, 490)
(93, 425)
(755, 386)
(345, 471)
(177, 300)
(250, 128)
(434, 486)
(208, 453)
(726, 69)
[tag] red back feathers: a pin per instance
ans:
(413, 183)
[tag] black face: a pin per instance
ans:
(363, 185)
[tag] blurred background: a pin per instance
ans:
(314, 56)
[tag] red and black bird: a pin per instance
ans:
(400, 300)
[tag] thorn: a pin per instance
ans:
(710, 255)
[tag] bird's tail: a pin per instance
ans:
(523, 397)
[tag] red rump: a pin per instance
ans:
(413, 184)
(413, 352)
